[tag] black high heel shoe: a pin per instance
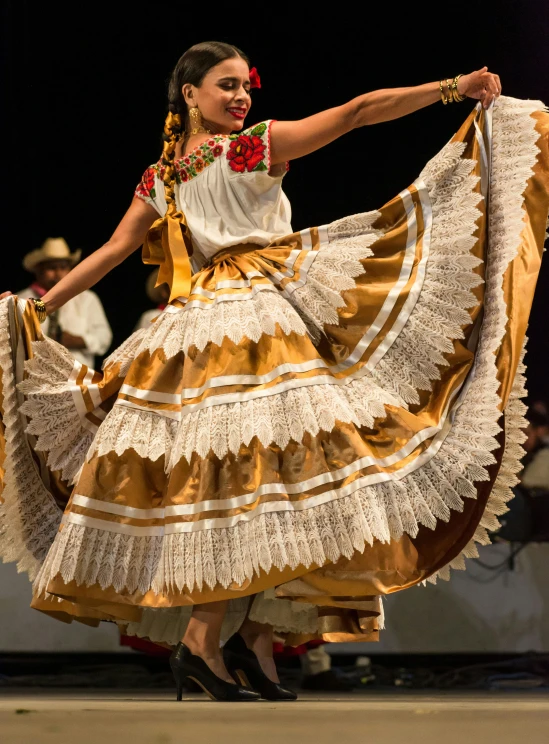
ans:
(186, 665)
(243, 665)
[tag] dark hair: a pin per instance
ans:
(192, 68)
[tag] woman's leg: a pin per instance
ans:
(259, 638)
(203, 634)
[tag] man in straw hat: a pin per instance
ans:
(81, 324)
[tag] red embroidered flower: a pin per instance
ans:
(147, 183)
(187, 161)
(211, 143)
(184, 175)
(245, 153)
(217, 150)
(198, 165)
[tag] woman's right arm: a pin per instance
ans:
(127, 238)
(294, 139)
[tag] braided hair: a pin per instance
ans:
(190, 68)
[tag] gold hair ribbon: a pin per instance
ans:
(168, 242)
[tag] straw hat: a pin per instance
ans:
(52, 249)
(154, 293)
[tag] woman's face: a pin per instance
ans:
(223, 97)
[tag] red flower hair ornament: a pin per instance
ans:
(255, 80)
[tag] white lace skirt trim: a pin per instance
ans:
(334, 270)
(149, 434)
(277, 419)
(61, 430)
(178, 331)
(514, 154)
(29, 516)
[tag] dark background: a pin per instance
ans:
(85, 100)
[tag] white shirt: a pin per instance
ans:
(82, 316)
(228, 192)
(536, 473)
(146, 318)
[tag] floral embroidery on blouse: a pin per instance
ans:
(146, 187)
(204, 155)
(247, 151)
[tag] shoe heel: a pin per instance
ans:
(178, 681)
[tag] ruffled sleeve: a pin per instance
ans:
(151, 188)
(250, 151)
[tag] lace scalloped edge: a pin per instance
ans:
(49, 404)
(174, 333)
(519, 169)
(501, 493)
(29, 516)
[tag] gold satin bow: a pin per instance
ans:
(168, 245)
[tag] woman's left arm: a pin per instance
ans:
(293, 139)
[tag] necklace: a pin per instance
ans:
(198, 130)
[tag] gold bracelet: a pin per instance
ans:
(442, 96)
(455, 95)
(40, 309)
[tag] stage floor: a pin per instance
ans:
(104, 716)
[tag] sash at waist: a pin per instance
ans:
(233, 250)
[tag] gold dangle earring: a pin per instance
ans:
(197, 122)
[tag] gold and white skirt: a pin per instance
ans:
(327, 419)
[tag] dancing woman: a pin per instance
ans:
(316, 418)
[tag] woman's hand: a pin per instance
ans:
(5, 294)
(128, 237)
(482, 85)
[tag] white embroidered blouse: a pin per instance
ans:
(228, 192)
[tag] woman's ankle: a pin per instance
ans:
(211, 655)
(261, 645)
(203, 647)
